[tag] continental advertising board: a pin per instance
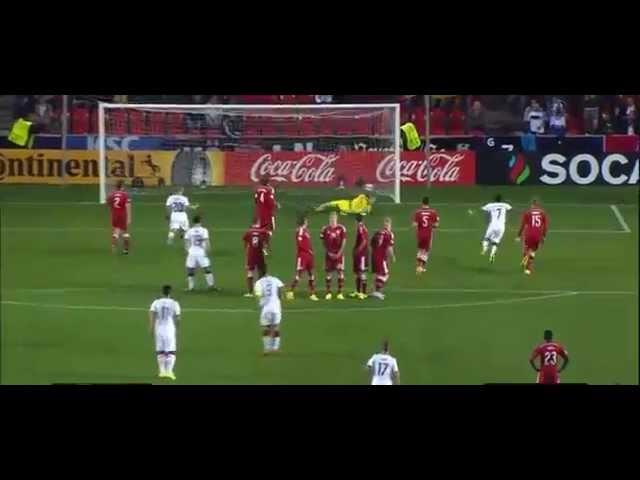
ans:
(151, 168)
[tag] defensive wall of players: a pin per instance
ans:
(593, 160)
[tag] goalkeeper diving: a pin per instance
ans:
(359, 205)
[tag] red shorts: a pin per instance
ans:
(267, 221)
(379, 265)
(424, 241)
(360, 263)
(120, 222)
(532, 242)
(304, 263)
(334, 264)
(549, 377)
(254, 262)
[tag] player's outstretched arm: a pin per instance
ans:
(177, 319)
(167, 213)
(128, 213)
(392, 254)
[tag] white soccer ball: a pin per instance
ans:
(368, 187)
(470, 212)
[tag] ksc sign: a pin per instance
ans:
(586, 169)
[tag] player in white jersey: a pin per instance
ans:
(497, 211)
(383, 367)
(177, 205)
(164, 315)
(197, 244)
(268, 290)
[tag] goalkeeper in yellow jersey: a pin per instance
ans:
(359, 205)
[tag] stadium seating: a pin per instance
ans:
(137, 122)
(157, 124)
(117, 122)
(437, 120)
(456, 123)
(176, 123)
(79, 120)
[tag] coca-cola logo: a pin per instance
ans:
(441, 167)
(313, 167)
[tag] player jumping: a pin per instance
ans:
(534, 227)
(383, 367)
(425, 219)
(362, 204)
(304, 260)
(177, 205)
(197, 245)
(360, 258)
(164, 316)
(549, 351)
(120, 206)
(497, 211)
(254, 240)
(381, 249)
(268, 289)
(334, 237)
(266, 205)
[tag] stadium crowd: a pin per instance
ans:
(448, 114)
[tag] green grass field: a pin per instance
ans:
(74, 312)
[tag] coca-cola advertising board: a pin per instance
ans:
(325, 168)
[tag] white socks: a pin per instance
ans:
(270, 344)
(209, 278)
(170, 237)
(485, 246)
(266, 343)
(161, 364)
(190, 283)
(170, 363)
(275, 343)
(494, 249)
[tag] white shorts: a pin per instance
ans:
(196, 260)
(179, 221)
(269, 318)
(494, 233)
(165, 340)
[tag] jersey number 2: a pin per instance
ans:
(116, 202)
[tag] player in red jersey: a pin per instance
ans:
(425, 219)
(254, 241)
(120, 206)
(360, 258)
(534, 226)
(304, 260)
(549, 351)
(381, 249)
(334, 237)
(265, 200)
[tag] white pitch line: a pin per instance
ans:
(392, 289)
(235, 229)
(498, 290)
(306, 310)
(620, 218)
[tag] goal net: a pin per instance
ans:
(207, 146)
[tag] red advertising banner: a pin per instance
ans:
(622, 144)
(324, 168)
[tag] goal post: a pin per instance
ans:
(296, 145)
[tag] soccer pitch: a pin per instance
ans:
(74, 312)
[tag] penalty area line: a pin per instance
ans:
(621, 221)
(289, 311)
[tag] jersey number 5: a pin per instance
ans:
(425, 221)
